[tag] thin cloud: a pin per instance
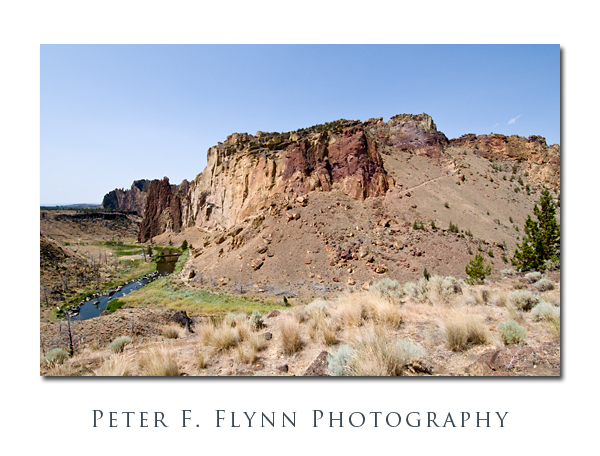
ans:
(496, 125)
(513, 120)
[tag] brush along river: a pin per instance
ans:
(97, 303)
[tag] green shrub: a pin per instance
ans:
(114, 305)
(55, 356)
(388, 289)
(117, 345)
(524, 299)
(453, 228)
(477, 270)
(511, 332)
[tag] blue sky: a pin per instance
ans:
(110, 114)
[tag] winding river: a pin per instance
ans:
(94, 307)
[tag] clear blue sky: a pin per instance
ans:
(111, 114)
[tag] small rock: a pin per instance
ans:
(268, 336)
(261, 250)
(318, 367)
(366, 286)
(274, 313)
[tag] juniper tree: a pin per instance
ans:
(541, 241)
(477, 270)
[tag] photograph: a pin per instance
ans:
(293, 210)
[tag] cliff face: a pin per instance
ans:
(133, 199)
(163, 208)
(247, 174)
(543, 161)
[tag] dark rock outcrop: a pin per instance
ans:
(133, 199)
(163, 208)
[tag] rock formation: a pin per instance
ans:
(543, 161)
(133, 199)
(163, 208)
(247, 175)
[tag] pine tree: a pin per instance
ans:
(477, 270)
(541, 241)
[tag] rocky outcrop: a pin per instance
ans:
(133, 199)
(415, 134)
(543, 161)
(162, 211)
(249, 174)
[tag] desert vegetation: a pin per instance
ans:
(440, 326)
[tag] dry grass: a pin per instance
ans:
(158, 361)
(223, 337)
(173, 331)
(377, 354)
(350, 310)
(200, 360)
(462, 329)
(291, 341)
(299, 313)
(385, 312)
(323, 329)
(115, 366)
(245, 354)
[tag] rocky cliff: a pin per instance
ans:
(249, 174)
(162, 211)
(133, 199)
(542, 161)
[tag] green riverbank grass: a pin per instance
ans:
(164, 295)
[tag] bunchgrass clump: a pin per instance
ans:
(291, 341)
(223, 337)
(511, 332)
(375, 354)
(324, 329)
(55, 356)
(115, 366)
(524, 299)
(171, 331)
(318, 307)
(118, 345)
(158, 362)
(462, 330)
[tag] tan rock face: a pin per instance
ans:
(543, 161)
(247, 175)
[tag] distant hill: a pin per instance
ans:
(72, 206)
